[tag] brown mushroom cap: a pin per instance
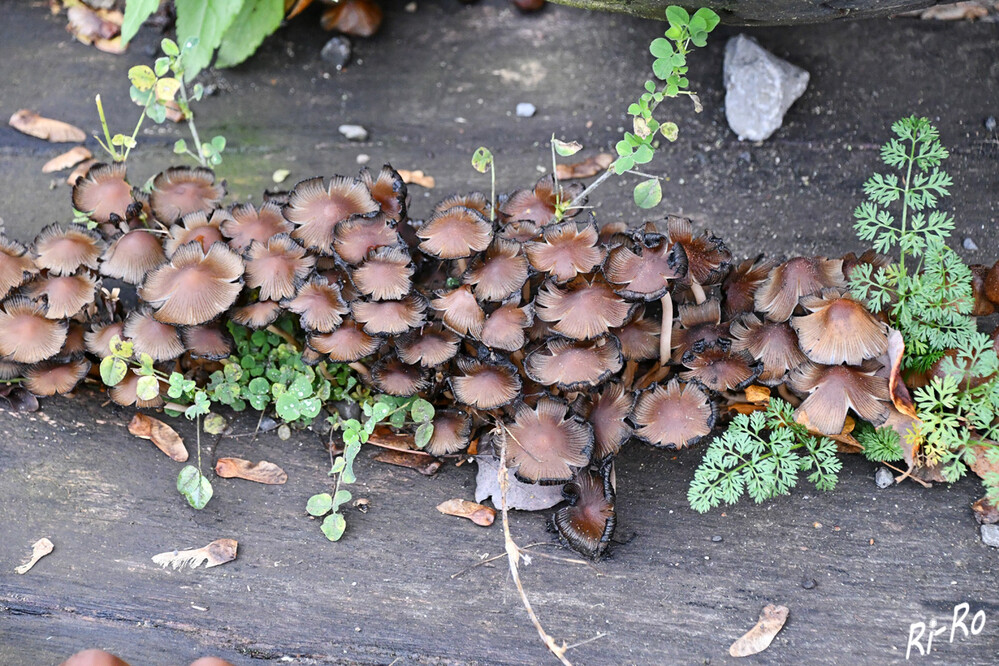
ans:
(587, 524)
(179, 191)
(75, 345)
(699, 325)
(125, 393)
(452, 432)
(779, 294)
(720, 369)
(256, 315)
(566, 251)
(673, 416)
(773, 343)
(50, 378)
(26, 334)
(740, 286)
(347, 344)
(477, 201)
(991, 284)
(521, 231)
(386, 273)
(63, 251)
(196, 226)
(319, 305)
(839, 330)
(11, 370)
(646, 273)
(356, 237)
(246, 224)
(149, 336)
(485, 385)
(832, 390)
(277, 267)
(211, 342)
(460, 311)
(538, 205)
(132, 255)
(639, 336)
(103, 192)
(982, 307)
(392, 376)
(390, 317)
(429, 346)
(869, 257)
(585, 309)
(65, 295)
(608, 410)
(572, 365)
(505, 328)
(360, 18)
(195, 286)
(316, 208)
(455, 233)
(98, 338)
(547, 444)
(388, 189)
(707, 256)
(500, 274)
(16, 267)
(614, 233)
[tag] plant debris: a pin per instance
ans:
(588, 168)
(56, 131)
(418, 461)
(758, 639)
(477, 513)
(39, 549)
(217, 552)
(522, 496)
(418, 178)
(70, 158)
(163, 436)
(261, 472)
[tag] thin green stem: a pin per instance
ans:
(905, 204)
(190, 122)
(107, 133)
(492, 190)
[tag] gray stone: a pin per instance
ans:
(969, 244)
(526, 110)
(759, 88)
(884, 478)
(990, 535)
(353, 132)
(990, 123)
(336, 52)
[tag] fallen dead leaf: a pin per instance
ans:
(418, 178)
(986, 513)
(88, 25)
(114, 46)
(758, 639)
(983, 465)
(56, 131)
(163, 436)
(39, 549)
(173, 112)
(427, 466)
(891, 362)
(959, 11)
(588, 168)
(80, 171)
(70, 158)
(757, 394)
(477, 513)
(261, 472)
(523, 496)
(217, 552)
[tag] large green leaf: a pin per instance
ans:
(136, 13)
(256, 20)
(206, 21)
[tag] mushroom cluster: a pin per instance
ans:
(559, 338)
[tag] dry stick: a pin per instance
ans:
(582, 195)
(513, 554)
(527, 547)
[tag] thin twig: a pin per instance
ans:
(527, 547)
(588, 640)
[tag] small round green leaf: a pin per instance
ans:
(422, 411)
(319, 505)
(482, 159)
(193, 485)
(648, 194)
(566, 148)
(341, 497)
(670, 131)
(214, 424)
(334, 526)
(660, 48)
(147, 388)
(113, 370)
(142, 77)
(169, 47)
(423, 434)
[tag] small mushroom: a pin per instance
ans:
(834, 389)
(460, 311)
(390, 375)
(277, 266)
(673, 416)
(982, 307)
(699, 324)
(541, 204)
(386, 274)
(429, 346)
(500, 274)
(347, 344)
(455, 233)
(390, 317)
(195, 286)
(566, 251)
(839, 330)
(75, 346)
(475, 200)
(608, 411)
(545, 445)
(587, 524)
(149, 336)
(132, 255)
(639, 337)
(585, 309)
(720, 369)
(98, 338)
(647, 272)
(707, 256)
(505, 327)
(27, 335)
(316, 208)
(103, 193)
(210, 342)
(739, 287)
(452, 432)
(260, 314)
(353, 239)
(16, 266)
(50, 378)
(779, 294)
(318, 304)
(574, 365)
(388, 189)
(63, 251)
(179, 191)
(485, 385)
(991, 284)
(775, 344)
(246, 224)
(65, 295)
(521, 231)
(869, 257)
(196, 226)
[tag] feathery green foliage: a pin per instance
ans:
(880, 444)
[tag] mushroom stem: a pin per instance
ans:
(657, 373)
(628, 378)
(284, 335)
(698, 291)
(666, 329)
(461, 265)
(360, 369)
(793, 400)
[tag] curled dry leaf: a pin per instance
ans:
(758, 639)
(163, 436)
(261, 472)
(986, 513)
(423, 464)
(757, 394)
(39, 549)
(217, 552)
(477, 513)
(80, 171)
(31, 123)
(70, 158)
(891, 361)
(418, 178)
(959, 11)
(588, 168)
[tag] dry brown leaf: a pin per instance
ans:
(982, 464)
(427, 466)
(89, 26)
(163, 436)
(217, 552)
(114, 46)
(261, 472)
(757, 394)
(588, 168)
(891, 362)
(70, 158)
(56, 131)
(173, 112)
(80, 171)
(418, 178)
(758, 639)
(959, 11)
(986, 513)
(477, 513)
(39, 549)
(388, 439)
